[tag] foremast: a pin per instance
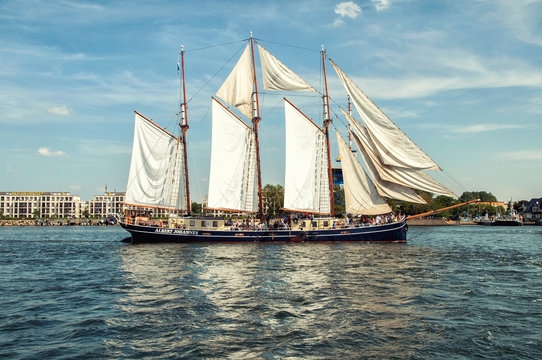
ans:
(183, 123)
(327, 121)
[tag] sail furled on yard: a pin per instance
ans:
(232, 179)
(306, 186)
(277, 76)
(156, 176)
(237, 89)
(385, 175)
(361, 196)
(385, 188)
(391, 144)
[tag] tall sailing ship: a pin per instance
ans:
(159, 171)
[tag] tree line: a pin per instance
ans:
(274, 198)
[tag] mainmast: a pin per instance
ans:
(327, 121)
(184, 127)
(255, 120)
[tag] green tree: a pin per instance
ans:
(85, 214)
(413, 209)
(196, 208)
(273, 196)
(339, 200)
(443, 201)
(473, 195)
(36, 213)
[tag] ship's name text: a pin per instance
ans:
(176, 231)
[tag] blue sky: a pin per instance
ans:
(463, 79)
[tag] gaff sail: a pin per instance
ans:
(232, 184)
(306, 184)
(156, 176)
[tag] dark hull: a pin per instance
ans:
(393, 232)
(506, 223)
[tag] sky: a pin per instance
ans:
(463, 79)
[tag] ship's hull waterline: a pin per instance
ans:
(393, 232)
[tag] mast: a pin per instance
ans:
(184, 128)
(327, 121)
(255, 120)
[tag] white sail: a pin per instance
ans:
(385, 188)
(411, 178)
(232, 184)
(277, 76)
(156, 176)
(392, 145)
(237, 88)
(361, 196)
(306, 182)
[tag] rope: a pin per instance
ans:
(214, 46)
(214, 75)
(288, 45)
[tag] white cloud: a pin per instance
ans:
(523, 155)
(348, 8)
(59, 110)
(338, 22)
(75, 187)
(46, 152)
(521, 17)
(486, 128)
(381, 4)
(438, 69)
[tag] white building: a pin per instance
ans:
(109, 203)
(22, 204)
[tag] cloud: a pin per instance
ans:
(381, 4)
(346, 9)
(486, 128)
(59, 110)
(521, 17)
(75, 187)
(438, 69)
(46, 152)
(523, 155)
(338, 22)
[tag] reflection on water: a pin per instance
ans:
(450, 292)
(271, 299)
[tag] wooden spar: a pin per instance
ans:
(255, 120)
(184, 128)
(327, 121)
(440, 210)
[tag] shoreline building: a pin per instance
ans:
(30, 204)
(107, 204)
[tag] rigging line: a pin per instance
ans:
(454, 180)
(214, 75)
(288, 45)
(214, 46)
(284, 93)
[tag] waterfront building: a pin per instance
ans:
(533, 210)
(30, 204)
(109, 203)
(495, 204)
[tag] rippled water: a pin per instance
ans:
(450, 292)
